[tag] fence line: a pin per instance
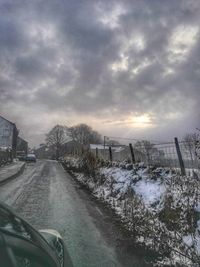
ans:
(180, 155)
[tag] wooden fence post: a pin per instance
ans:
(97, 153)
(110, 153)
(104, 146)
(180, 159)
(132, 153)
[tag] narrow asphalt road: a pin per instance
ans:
(48, 197)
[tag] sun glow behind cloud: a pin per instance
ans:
(141, 121)
(134, 120)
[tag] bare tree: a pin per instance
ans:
(146, 148)
(197, 149)
(56, 138)
(84, 134)
(190, 142)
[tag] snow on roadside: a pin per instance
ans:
(155, 203)
(118, 181)
(150, 191)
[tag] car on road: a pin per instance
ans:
(23, 246)
(31, 158)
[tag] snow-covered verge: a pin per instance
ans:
(159, 207)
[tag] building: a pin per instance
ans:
(42, 152)
(119, 152)
(49, 152)
(22, 146)
(8, 135)
(71, 148)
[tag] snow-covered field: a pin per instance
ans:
(160, 207)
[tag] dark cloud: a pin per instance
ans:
(98, 61)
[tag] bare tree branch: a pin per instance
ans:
(57, 136)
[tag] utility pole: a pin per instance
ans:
(104, 146)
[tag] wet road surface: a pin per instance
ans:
(48, 197)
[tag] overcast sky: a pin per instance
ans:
(128, 68)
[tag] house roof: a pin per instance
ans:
(118, 148)
(8, 121)
(99, 146)
(20, 138)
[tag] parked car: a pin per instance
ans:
(23, 246)
(31, 158)
(21, 157)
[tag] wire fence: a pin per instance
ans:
(177, 155)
